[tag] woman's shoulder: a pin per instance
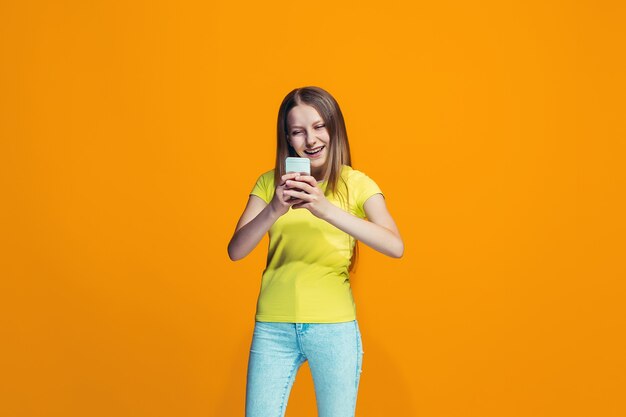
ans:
(351, 174)
(265, 180)
(267, 174)
(266, 177)
(264, 186)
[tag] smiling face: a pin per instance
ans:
(308, 136)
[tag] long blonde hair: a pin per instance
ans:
(339, 149)
(328, 109)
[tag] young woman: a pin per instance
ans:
(305, 310)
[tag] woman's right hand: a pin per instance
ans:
(281, 202)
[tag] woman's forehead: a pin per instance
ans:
(303, 114)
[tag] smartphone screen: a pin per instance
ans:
(301, 165)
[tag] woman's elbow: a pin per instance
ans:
(398, 249)
(233, 255)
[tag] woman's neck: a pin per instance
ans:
(318, 174)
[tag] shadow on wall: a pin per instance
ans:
(383, 388)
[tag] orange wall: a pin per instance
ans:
(132, 133)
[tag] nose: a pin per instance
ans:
(311, 139)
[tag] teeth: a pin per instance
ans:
(314, 151)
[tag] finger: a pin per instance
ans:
(300, 204)
(289, 175)
(300, 185)
(308, 179)
(294, 201)
(298, 194)
(288, 199)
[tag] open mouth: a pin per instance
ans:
(314, 151)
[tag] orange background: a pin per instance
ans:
(131, 134)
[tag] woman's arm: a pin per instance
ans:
(380, 232)
(256, 220)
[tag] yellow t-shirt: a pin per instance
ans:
(306, 279)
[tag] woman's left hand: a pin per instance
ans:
(305, 188)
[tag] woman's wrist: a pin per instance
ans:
(274, 212)
(330, 212)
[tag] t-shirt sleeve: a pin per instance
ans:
(365, 187)
(264, 187)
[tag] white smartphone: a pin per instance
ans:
(301, 165)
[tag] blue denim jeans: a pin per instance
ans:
(334, 352)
